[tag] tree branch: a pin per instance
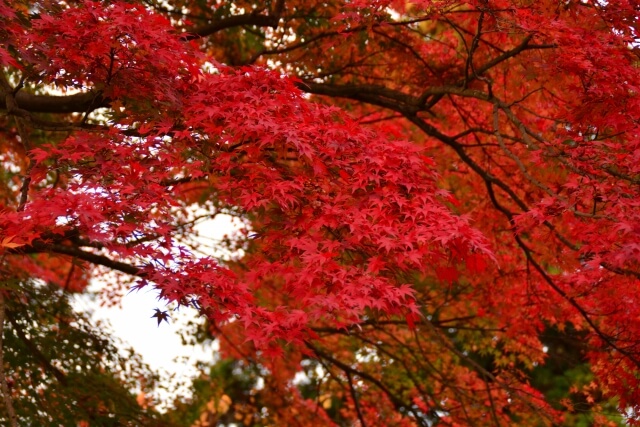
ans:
(233, 21)
(383, 97)
(395, 400)
(41, 247)
(352, 390)
(78, 103)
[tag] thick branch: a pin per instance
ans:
(40, 247)
(233, 21)
(371, 94)
(78, 103)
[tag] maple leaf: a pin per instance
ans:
(39, 155)
(7, 242)
(160, 316)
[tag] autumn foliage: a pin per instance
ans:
(440, 199)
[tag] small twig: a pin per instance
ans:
(515, 158)
(69, 275)
(13, 420)
(499, 105)
(24, 190)
(472, 49)
(355, 400)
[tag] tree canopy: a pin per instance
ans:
(439, 199)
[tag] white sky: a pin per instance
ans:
(159, 345)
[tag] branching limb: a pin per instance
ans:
(397, 402)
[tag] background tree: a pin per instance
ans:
(64, 369)
(360, 266)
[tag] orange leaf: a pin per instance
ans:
(7, 242)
